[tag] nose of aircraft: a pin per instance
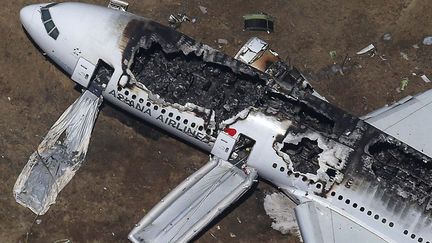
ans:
(26, 15)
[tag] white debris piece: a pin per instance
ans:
(281, 210)
(222, 41)
(366, 49)
(203, 9)
(59, 155)
(427, 41)
(387, 37)
(404, 55)
(425, 78)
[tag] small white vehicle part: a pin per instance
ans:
(192, 205)
(83, 72)
(118, 5)
(256, 53)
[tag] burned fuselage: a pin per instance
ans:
(327, 153)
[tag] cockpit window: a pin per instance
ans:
(54, 33)
(50, 27)
(45, 15)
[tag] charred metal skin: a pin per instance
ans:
(308, 148)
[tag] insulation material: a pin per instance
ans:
(59, 156)
(281, 210)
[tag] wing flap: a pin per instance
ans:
(194, 203)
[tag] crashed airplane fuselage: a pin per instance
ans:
(320, 156)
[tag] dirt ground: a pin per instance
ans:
(131, 166)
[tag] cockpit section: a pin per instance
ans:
(48, 22)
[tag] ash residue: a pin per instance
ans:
(180, 78)
(304, 155)
(404, 169)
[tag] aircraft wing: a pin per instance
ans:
(407, 120)
(187, 209)
(321, 224)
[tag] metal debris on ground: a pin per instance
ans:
(403, 84)
(387, 37)
(203, 9)
(404, 55)
(415, 46)
(118, 5)
(368, 49)
(62, 241)
(175, 20)
(222, 41)
(333, 55)
(59, 155)
(232, 235)
(427, 41)
(259, 22)
(425, 78)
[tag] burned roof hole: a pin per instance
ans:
(309, 114)
(393, 163)
(274, 165)
(331, 172)
(304, 112)
(304, 155)
(180, 78)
